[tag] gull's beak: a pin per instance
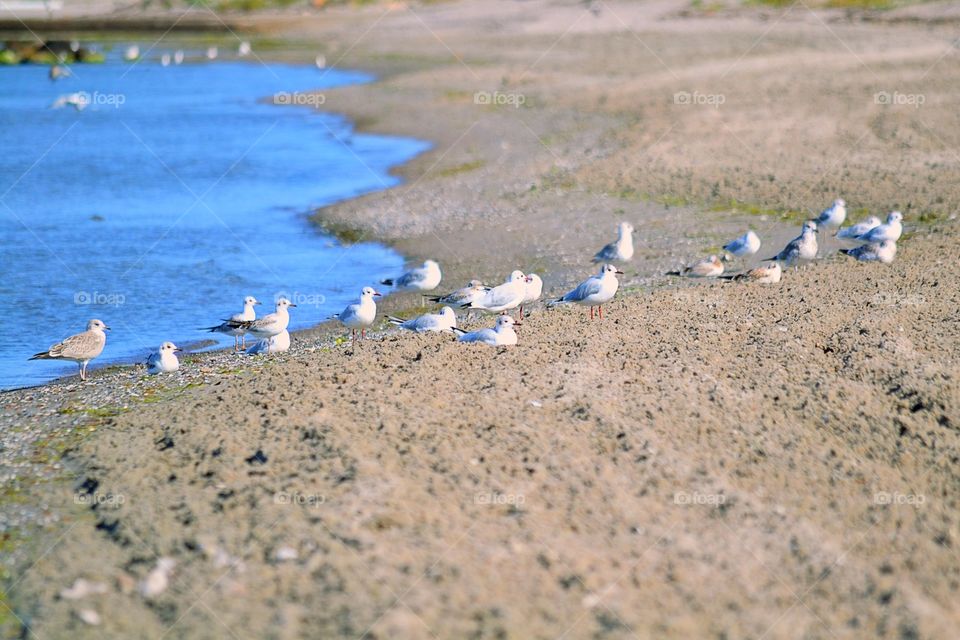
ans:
(292, 305)
(106, 327)
(377, 293)
(257, 302)
(618, 272)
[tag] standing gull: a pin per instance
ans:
(834, 215)
(533, 291)
(502, 334)
(504, 297)
(80, 348)
(891, 230)
(165, 360)
(746, 245)
(803, 247)
(621, 249)
(270, 325)
(360, 314)
(426, 277)
(446, 321)
(231, 327)
(884, 252)
(595, 291)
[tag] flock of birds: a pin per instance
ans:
(869, 240)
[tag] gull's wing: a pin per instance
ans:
(410, 278)
(482, 335)
(82, 345)
(499, 296)
(608, 253)
(736, 245)
(349, 312)
(584, 290)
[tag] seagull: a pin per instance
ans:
(78, 101)
(803, 247)
(621, 250)
(165, 60)
(504, 297)
(231, 328)
(132, 53)
(746, 245)
(884, 251)
(360, 314)
(244, 49)
(165, 360)
(320, 61)
(707, 268)
(534, 289)
(463, 296)
(269, 325)
(426, 277)
(595, 291)
(891, 230)
(764, 274)
(80, 348)
(178, 57)
(446, 320)
(851, 233)
(834, 215)
(502, 334)
(277, 344)
(212, 53)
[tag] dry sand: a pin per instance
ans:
(710, 460)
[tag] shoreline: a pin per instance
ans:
(696, 464)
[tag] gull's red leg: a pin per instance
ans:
(600, 311)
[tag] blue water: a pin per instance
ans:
(177, 192)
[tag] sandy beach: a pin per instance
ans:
(711, 460)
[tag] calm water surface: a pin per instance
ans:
(177, 191)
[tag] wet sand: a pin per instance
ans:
(710, 460)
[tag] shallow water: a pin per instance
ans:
(176, 192)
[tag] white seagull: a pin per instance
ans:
(80, 348)
(710, 267)
(244, 49)
(504, 297)
(165, 60)
(502, 334)
(534, 289)
(851, 233)
(595, 291)
(464, 296)
(884, 251)
(445, 321)
(360, 314)
(891, 230)
(212, 53)
(165, 360)
(834, 215)
(746, 245)
(620, 250)
(231, 327)
(803, 247)
(277, 344)
(426, 277)
(769, 273)
(270, 325)
(132, 53)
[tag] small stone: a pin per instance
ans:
(82, 588)
(89, 616)
(285, 554)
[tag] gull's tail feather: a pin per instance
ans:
(673, 273)
(458, 331)
(555, 303)
(395, 320)
(845, 252)
(435, 298)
